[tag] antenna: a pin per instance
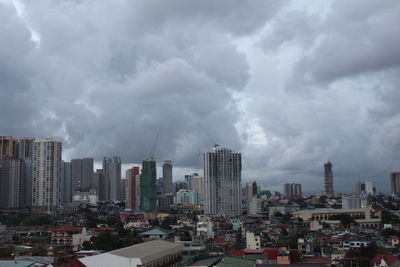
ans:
(154, 147)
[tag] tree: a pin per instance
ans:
(6, 251)
(345, 219)
(106, 241)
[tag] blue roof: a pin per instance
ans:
(156, 231)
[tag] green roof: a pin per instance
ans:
(229, 261)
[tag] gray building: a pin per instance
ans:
(25, 148)
(11, 183)
(112, 172)
(395, 183)
(82, 174)
(27, 183)
(292, 190)
(222, 182)
(103, 185)
(328, 178)
(66, 181)
(46, 175)
(167, 177)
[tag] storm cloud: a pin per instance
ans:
(288, 84)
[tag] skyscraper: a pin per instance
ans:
(131, 186)
(66, 181)
(148, 185)
(25, 148)
(11, 183)
(103, 185)
(328, 179)
(82, 174)
(364, 188)
(292, 190)
(46, 175)
(112, 172)
(222, 178)
(395, 183)
(8, 147)
(167, 176)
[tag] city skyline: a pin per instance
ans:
(259, 77)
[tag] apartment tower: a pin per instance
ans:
(222, 178)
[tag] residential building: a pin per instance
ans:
(11, 183)
(8, 147)
(66, 180)
(197, 185)
(395, 183)
(27, 183)
(25, 148)
(82, 174)
(112, 172)
(148, 185)
(167, 177)
(222, 180)
(67, 235)
(251, 198)
(365, 188)
(185, 197)
(46, 175)
(328, 179)
(103, 185)
(353, 202)
(132, 188)
(292, 190)
(253, 241)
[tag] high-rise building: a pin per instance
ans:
(66, 181)
(11, 183)
(46, 175)
(353, 202)
(27, 182)
(8, 147)
(167, 177)
(82, 174)
(197, 184)
(251, 198)
(222, 178)
(103, 185)
(112, 171)
(131, 188)
(292, 190)
(148, 185)
(395, 183)
(25, 148)
(328, 179)
(364, 188)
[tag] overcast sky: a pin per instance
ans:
(289, 84)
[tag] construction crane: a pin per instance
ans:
(154, 147)
(213, 140)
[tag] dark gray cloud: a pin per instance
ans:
(287, 84)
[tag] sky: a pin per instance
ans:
(289, 84)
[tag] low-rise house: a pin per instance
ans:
(68, 235)
(156, 234)
(384, 260)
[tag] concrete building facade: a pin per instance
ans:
(222, 182)
(167, 177)
(112, 172)
(46, 175)
(395, 183)
(328, 178)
